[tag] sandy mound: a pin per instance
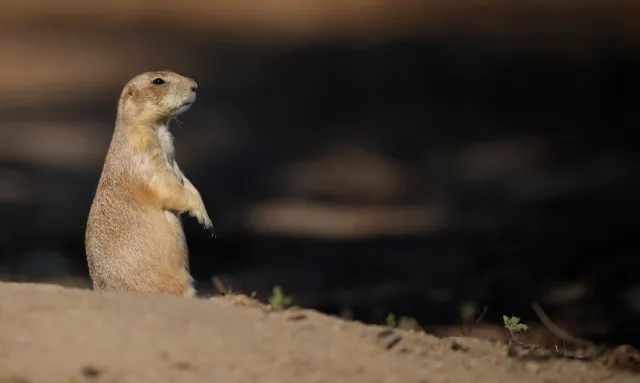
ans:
(56, 334)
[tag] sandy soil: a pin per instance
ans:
(55, 334)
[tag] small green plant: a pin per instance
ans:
(468, 311)
(529, 346)
(391, 320)
(404, 323)
(278, 300)
(346, 313)
(410, 324)
(470, 317)
(516, 329)
(222, 289)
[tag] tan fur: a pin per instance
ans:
(134, 238)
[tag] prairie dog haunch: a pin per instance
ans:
(134, 237)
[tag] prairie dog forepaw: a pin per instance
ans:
(211, 230)
(204, 220)
(208, 225)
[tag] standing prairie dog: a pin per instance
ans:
(134, 238)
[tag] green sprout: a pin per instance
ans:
(278, 300)
(516, 329)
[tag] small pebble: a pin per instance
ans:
(297, 317)
(389, 338)
(91, 372)
(455, 346)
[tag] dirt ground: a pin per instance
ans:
(51, 333)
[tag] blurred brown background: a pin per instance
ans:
(368, 156)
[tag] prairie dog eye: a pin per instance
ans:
(158, 81)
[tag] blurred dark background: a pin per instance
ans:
(368, 157)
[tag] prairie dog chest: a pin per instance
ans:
(165, 138)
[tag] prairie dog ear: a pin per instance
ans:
(130, 92)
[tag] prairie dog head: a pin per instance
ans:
(156, 97)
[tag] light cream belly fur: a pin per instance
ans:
(151, 254)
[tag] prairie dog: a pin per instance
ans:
(134, 238)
